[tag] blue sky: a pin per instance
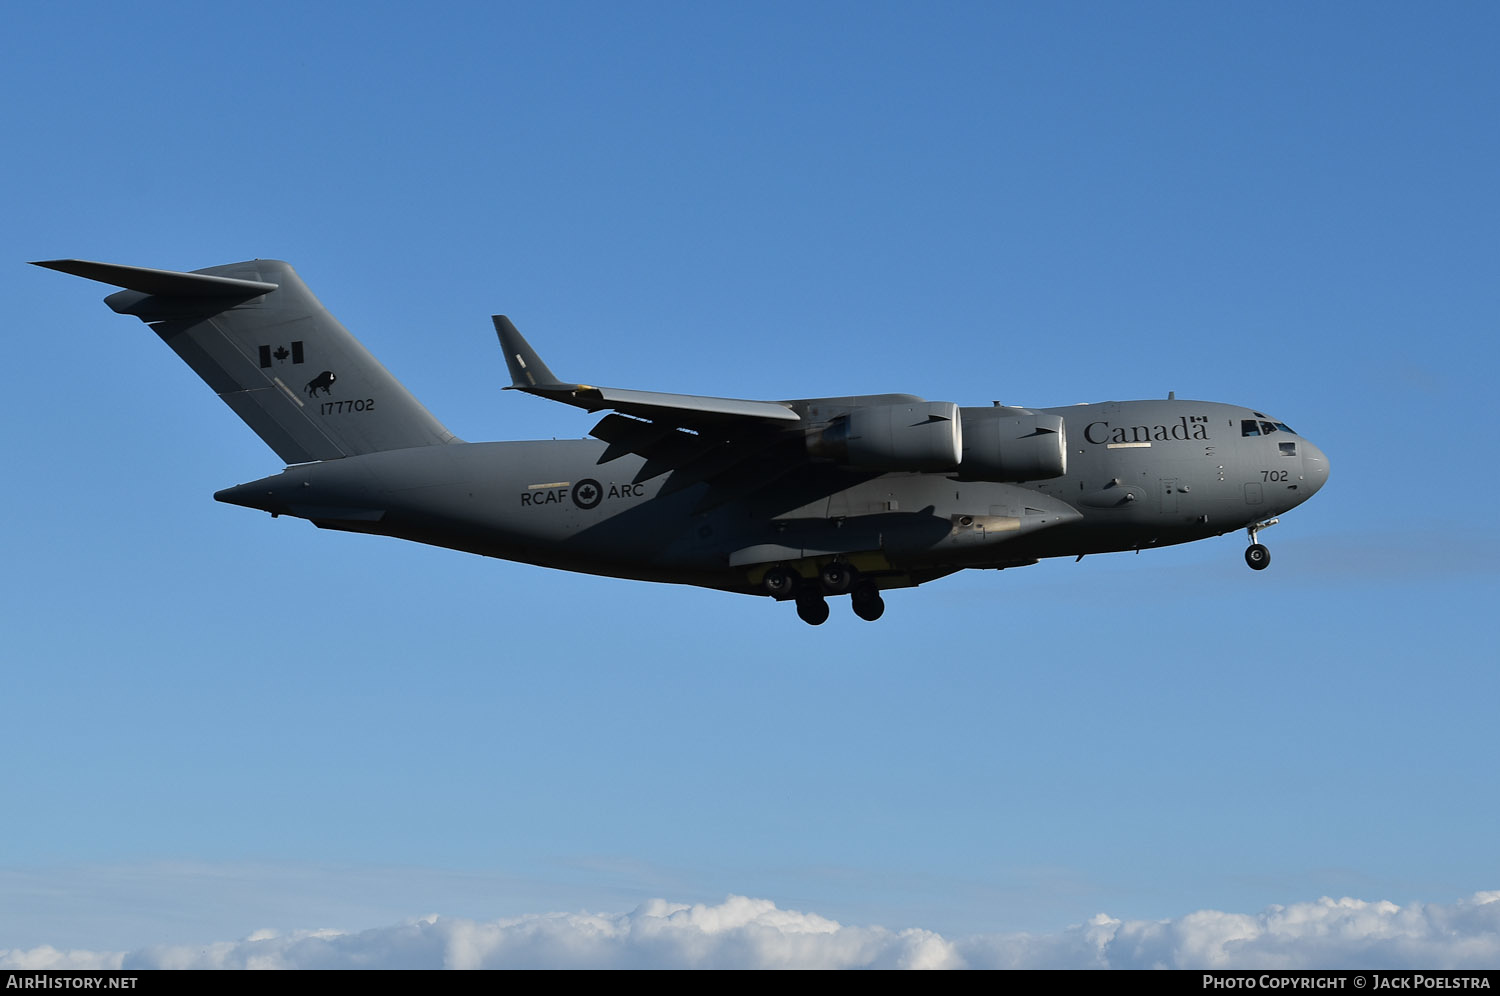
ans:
(217, 723)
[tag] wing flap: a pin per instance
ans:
(627, 435)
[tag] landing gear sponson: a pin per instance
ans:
(1257, 556)
(835, 578)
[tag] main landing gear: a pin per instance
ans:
(836, 578)
(812, 610)
(866, 600)
(1257, 556)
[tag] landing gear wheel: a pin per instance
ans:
(837, 578)
(867, 603)
(813, 611)
(780, 582)
(1258, 557)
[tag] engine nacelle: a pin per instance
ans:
(915, 436)
(1001, 445)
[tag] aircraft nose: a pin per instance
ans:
(1314, 467)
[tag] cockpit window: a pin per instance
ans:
(1262, 427)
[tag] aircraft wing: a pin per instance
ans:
(727, 442)
(528, 373)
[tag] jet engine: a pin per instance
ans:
(1012, 445)
(916, 436)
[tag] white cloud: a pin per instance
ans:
(48, 957)
(755, 933)
(1344, 933)
(738, 933)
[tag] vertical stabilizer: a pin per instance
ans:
(261, 340)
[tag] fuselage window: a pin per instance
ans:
(1288, 449)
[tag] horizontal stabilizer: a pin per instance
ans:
(168, 283)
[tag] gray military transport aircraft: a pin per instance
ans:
(796, 500)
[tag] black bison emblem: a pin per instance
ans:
(322, 382)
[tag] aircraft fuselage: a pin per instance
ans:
(1140, 474)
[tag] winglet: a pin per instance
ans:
(527, 371)
(167, 283)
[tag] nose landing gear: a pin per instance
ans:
(1257, 556)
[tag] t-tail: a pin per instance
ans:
(273, 353)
